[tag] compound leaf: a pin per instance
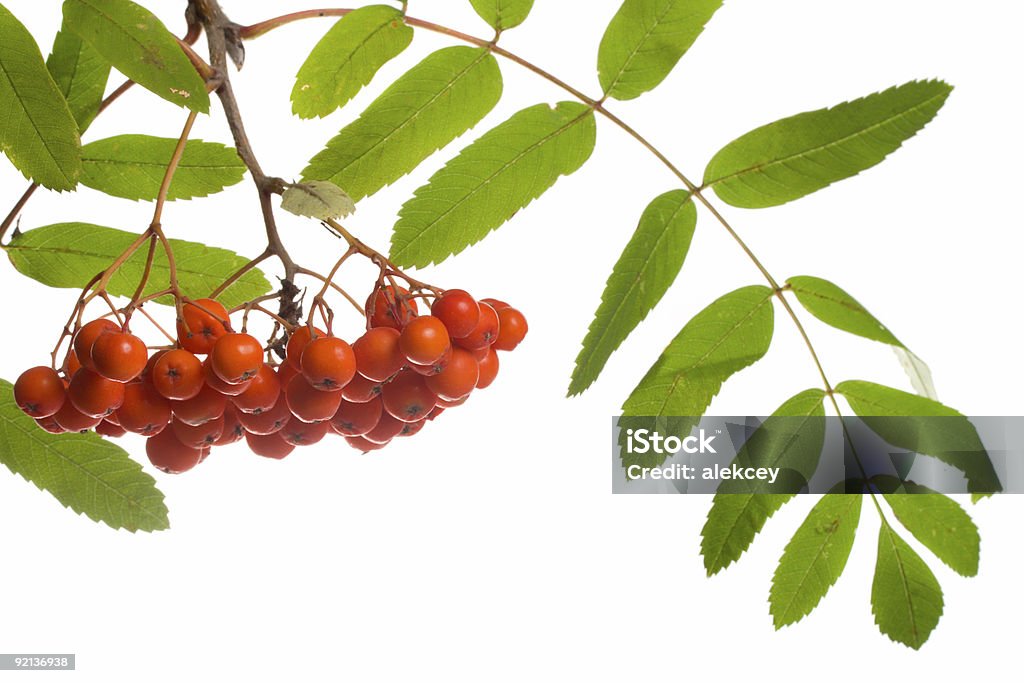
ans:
(833, 306)
(347, 58)
(81, 75)
(732, 333)
(645, 40)
(814, 558)
(137, 44)
(83, 472)
(133, 167)
(489, 181)
(921, 425)
(940, 524)
(70, 254)
(647, 268)
(37, 130)
(503, 14)
(796, 156)
(738, 514)
(906, 598)
(433, 103)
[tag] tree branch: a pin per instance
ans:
(217, 28)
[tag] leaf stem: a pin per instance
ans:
(172, 167)
(237, 275)
(18, 206)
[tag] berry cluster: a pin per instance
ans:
(215, 386)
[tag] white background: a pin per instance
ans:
(489, 547)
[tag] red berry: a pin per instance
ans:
(434, 368)
(297, 344)
(328, 363)
(445, 404)
(86, 337)
(496, 304)
(390, 307)
(202, 324)
(356, 419)
(170, 455)
(458, 378)
(71, 419)
(233, 429)
(39, 391)
(361, 390)
(261, 393)
(50, 424)
(199, 436)
(364, 445)
(269, 445)
(299, 433)
(407, 397)
(236, 357)
(488, 370)
(310, 404)
(208, 404)
(458, 311)
(144, 410)
(387, 428)
(110, 430)
(119, 356)
(178, 374)
(95, 395)
(269, 421)
(485, 332)
(215, 382)
(71, 364)
(424, 340)
(378, 355)
(285, 372)
(412, 428)
(512, 328)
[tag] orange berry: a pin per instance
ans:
(39, 392)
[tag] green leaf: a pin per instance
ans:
(347, 58)
(503, 14)
(489, 181)
(133, 167)
(814, 558)
(833, 306)
(648, 266)
(70, 254)
(83, 472)
(645, 40)
(906, 598)
(320, 199)
(80, 73)
(37, 131)
(732, 333)
(788, 159)
(923, 426)
(433, 103)
(737, 515)
(138, 45)
(940, 524)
